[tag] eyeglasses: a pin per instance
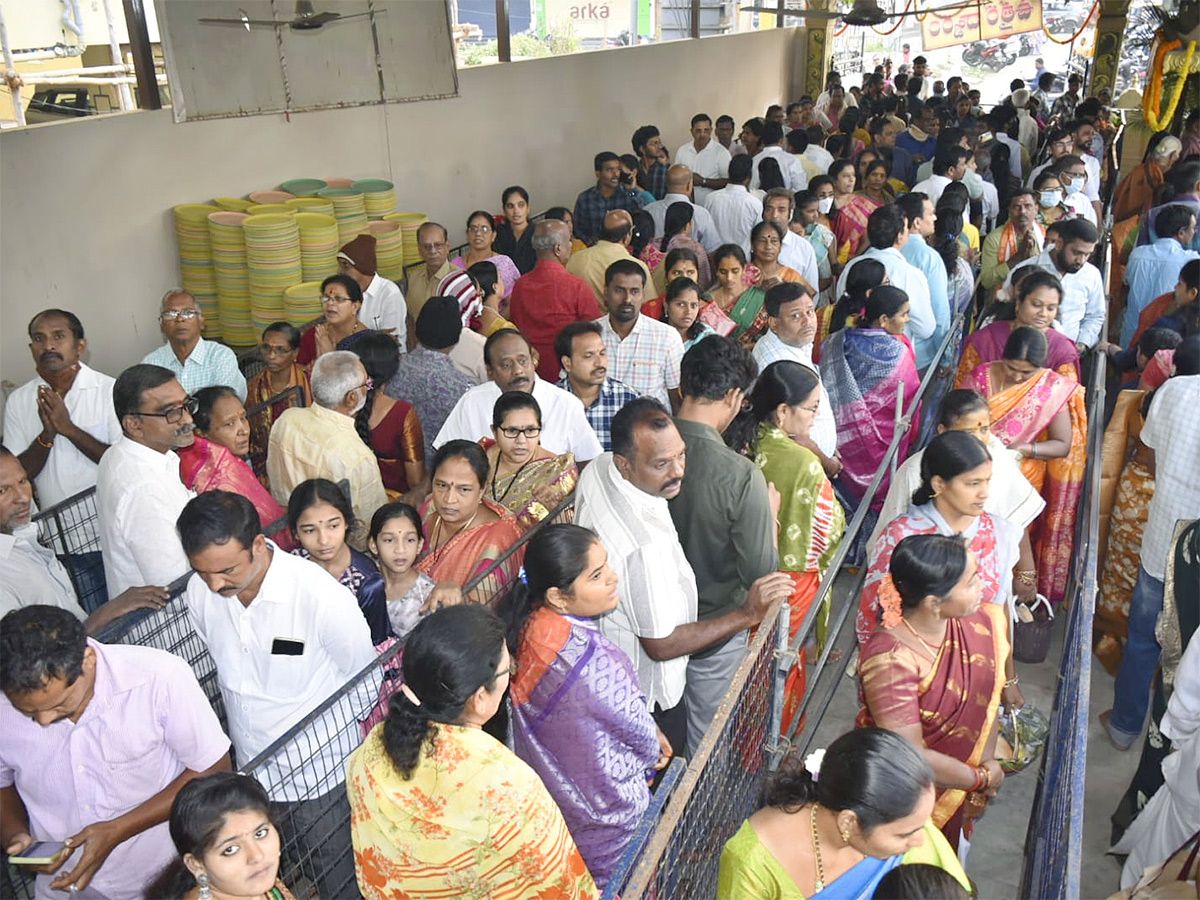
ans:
(274, 350)
(186, 315)
(479, 229)
(811, 409)
(369, 384)
(336, 301)
(530, 431)
(510, 671)
(174, 415)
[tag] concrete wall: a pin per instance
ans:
(85, 206)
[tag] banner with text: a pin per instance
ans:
(987, 21)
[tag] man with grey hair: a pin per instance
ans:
(548, 298)
(320, 441)
(195, 362)
(433, 243)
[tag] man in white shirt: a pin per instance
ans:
(1069, 243)
(139, 494)
(1083, 133)
(796, 252)
(791, 327)
(59, 424)
(949, 164)
(734, 210)
(285, 636)
(679, 189)
(887, 230)
(623, 497)
(793, 173)
(707, 159)
(383, 306)
(195, 362)
(643, 353)
(818, 154)
(1071, 173)
(512, 365)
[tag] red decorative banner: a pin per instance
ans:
(984, 22)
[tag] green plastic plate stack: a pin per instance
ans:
(349, 208)
(379, 196)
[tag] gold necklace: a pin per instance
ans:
(437, 531)
(816, 841)
(932, 649)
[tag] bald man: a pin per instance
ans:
(591, 263)
(679, 190)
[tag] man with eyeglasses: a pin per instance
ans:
(1060, 143)
(139, 494)
(195, 362)
(511, 363)
(1073, 176)
(433, 243)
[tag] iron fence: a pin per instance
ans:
(72, 530)
(1054, 839)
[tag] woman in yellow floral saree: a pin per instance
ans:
(439, 808)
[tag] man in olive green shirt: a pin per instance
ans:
(725, 515)
(433, 242)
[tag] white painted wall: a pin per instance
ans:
(85, 206)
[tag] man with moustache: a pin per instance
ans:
(511, 362)
(284, 635)
(643, 353)
(581, 352)
(195, 362)
(138, 490)
(59, 424)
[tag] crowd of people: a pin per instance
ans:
(702, 366)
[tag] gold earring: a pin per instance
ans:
(845, 836)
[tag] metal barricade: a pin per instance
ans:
(1054, 840)
(260, 426)
(72, 530)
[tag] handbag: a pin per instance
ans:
(1174, 879)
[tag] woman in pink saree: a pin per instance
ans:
(1041, 415)
(216, 460)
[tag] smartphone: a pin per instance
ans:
(41, 853)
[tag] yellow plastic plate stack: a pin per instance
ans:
(379, 195)
(349, 207)
(311, 204)
(233, 278)
(318, 246)
(304, 187)
(409, 223)
(195, 261)
(273, 258)
(263, 209)
(389, 249)
(302, 303)
(233, 204)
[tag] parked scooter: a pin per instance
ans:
(994, 54)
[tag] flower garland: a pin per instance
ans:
(1071, 39)
(1152, 102)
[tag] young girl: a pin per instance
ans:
(682, 311)
(320, 517)
(395, 541)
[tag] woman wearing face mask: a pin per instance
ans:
(1039, 294)
(1041, 415)
(823, 187)
(820, 237)
(934, 673)
(229, 845)
(834, 826)
(579, 717)
(1050, 198)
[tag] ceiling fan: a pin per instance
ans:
(861, 12)
(306, 18)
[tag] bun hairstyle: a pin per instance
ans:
(864, 277)
(554, 558)
(927, 565)
(449, 656)
(872, 772)
(948, 455)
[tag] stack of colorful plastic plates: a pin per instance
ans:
(349, 207)
(266, 209)
(340, 183)
(380, 196)
(318, 245)
(410, 222)
(312, 205)
(195, 260)
(303, 187)
(389, 249)
(233, 204)
(270, 196)
(273, 260)
(302, 303)
(232, 276)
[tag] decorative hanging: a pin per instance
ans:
(1152, 102)
(1085, 24)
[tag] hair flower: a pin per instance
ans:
(812, 763)
(889, 602)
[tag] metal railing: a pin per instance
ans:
(72, 530)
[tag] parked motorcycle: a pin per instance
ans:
(994, 54)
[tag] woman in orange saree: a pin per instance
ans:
(465, 533)
(936, 677)
(1041, 415)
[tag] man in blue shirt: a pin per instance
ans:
(592, 205)
(1153, 269)
(195, 362)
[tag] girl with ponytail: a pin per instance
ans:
(934, 673)
(579, 716)
(429, 788)
(836, 824)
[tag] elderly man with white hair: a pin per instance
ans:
(320, 441)
(195, 362)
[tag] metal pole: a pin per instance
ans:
(143, 54)
(11, 72)
(695, 18)
(899, 421)
(503, 38)
(114, 50)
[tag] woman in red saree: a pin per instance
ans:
(215, 461)
(850, 226)
(1041, 415)
(936, 677)
(464, 532)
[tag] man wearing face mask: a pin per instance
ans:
(320, 441)
(1073, 177)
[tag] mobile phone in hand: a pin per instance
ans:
(39, 853)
